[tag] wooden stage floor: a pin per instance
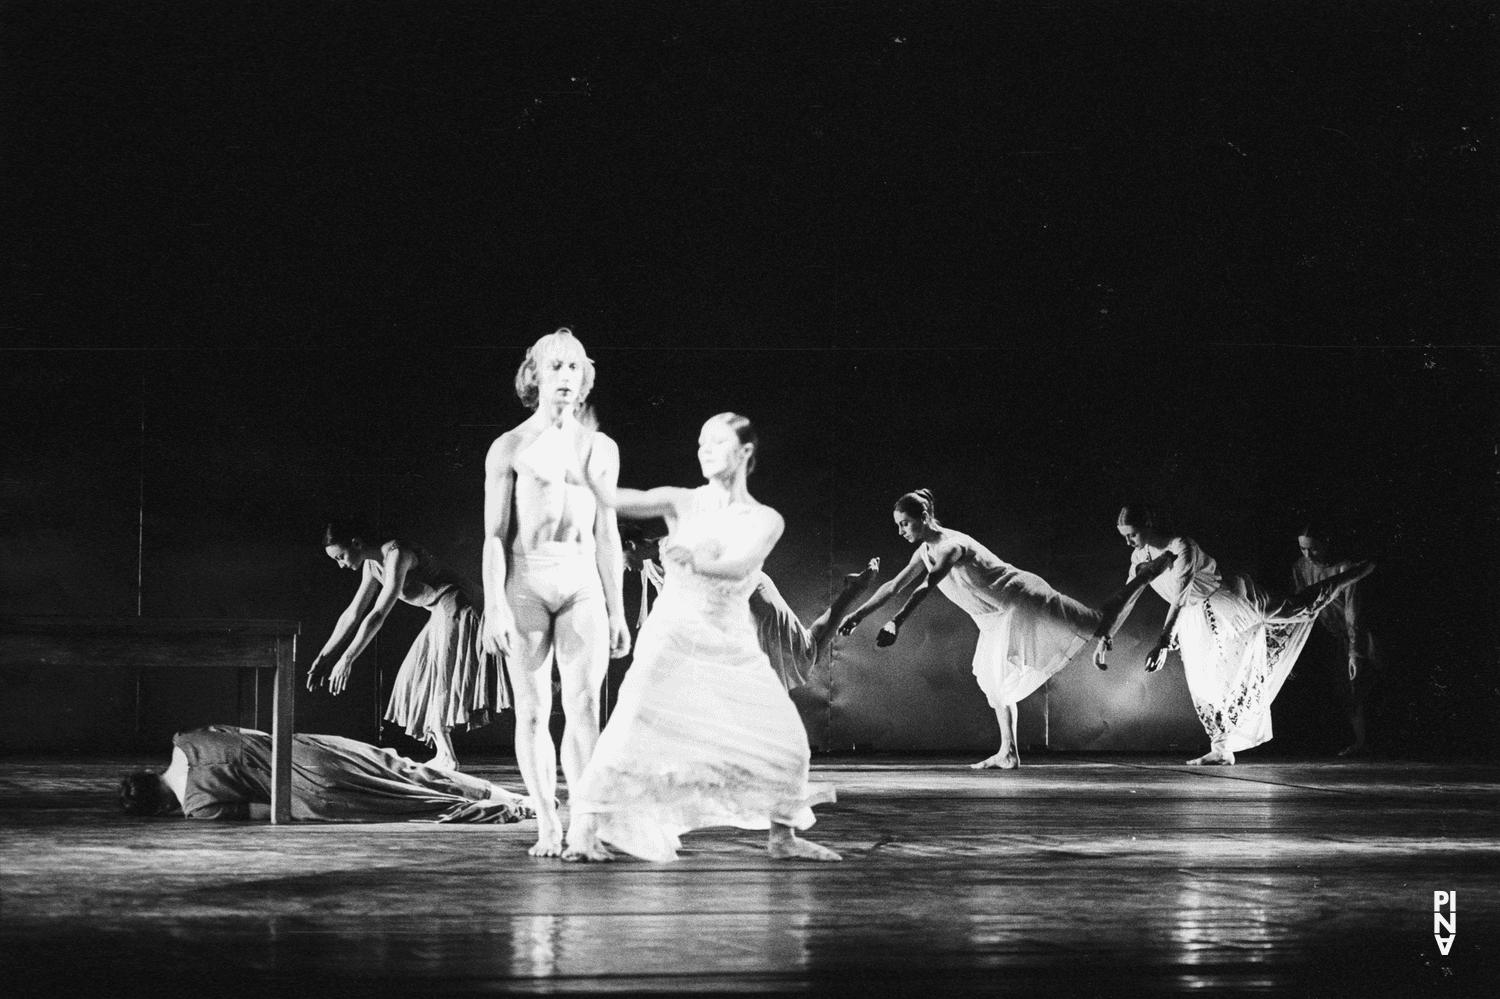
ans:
(1077, 875)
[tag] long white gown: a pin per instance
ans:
(1027, 630)
(1238, 642)
(704, 733)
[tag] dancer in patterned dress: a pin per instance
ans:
(444, 682)
(704, 733)
(1238, 641)
(1027, 630)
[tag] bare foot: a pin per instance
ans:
(548, 836)
(1000, 761)
(592, 852)
(855, 582)
(1350, 751)
(1213, 758)
(443, 763)
(789, 847)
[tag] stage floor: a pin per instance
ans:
(1077, 875)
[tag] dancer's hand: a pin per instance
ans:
(338, 677)
(1105, 645)
(679, 554)
(887, 635)
(619, 637)
(848, 624)
(1157, 657)
(319, 663)
(498, 637)
(1353, 665)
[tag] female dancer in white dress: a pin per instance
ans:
(444, 681)
(704, 733)
(1238, 642)
(1027, 630)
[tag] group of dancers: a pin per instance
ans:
(704, 732)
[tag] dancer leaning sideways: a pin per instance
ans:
(703, 733)
(1238, 641)
(553, 570)
(444, 682)
(1027, 630)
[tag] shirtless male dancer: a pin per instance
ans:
(553, 570)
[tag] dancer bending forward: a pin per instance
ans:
(1238, 642)
(703, 733)
(1027, 630)
(444, 681)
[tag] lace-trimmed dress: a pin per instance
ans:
(1238, 641)
(704, 733)
(1027, 630)
(444, 681)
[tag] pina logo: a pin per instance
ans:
(1442, 924)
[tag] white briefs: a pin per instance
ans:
(554, 578)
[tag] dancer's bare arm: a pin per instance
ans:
(397, 563)
(915, 570)
(353, 614)
(1136, 580)
(737, 556)
(638, 504)
(499, 486)
(946, 561)
(608, 555)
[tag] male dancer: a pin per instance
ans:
(552, 569)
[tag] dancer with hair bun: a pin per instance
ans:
(703, 733)
(1238, 641)
(1027, 630)
(443, 683)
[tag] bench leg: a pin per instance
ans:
(282, 714)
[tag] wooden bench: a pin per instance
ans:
(141, 642)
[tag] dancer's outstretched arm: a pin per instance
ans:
(636, 504)
(915, 570)
(1119, 605)
(353, 614)
(946, 561)
(397, 563)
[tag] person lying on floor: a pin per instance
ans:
(224, 772)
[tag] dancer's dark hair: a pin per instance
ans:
(141, 794)
(343, 531)
(918, 504)
(1140, 516)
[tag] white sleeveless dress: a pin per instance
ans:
(704, 733)
(1027, 630)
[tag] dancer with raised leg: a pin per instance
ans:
(704, 733)
(443, 683)
(1238, 642)
(1027, 630)
(552, 570)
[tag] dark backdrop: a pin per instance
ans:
(273, 260)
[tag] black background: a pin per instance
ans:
(267, 261)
